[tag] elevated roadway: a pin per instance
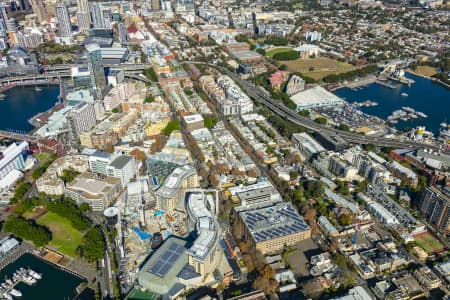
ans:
(280, 109)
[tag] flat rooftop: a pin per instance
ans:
(273, 221)
(315, 97)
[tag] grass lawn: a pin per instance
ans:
(424, 245)
(433, 242)
(64, 237)
(317, 68)
(30, 214)
(43, 156)
(272, 51)
(426, 70)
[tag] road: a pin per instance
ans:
(280, 109)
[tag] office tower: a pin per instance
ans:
(96, 15)
(80, 119)
(39, 10)
(83, 6)
(184, 5)
(155, 5)
(434, 203)
(107, 17)
(122, 33)
(101, 16)
(83, 21)
(64, 27)
(3, 19)
(95, 66)
(11, 25)
(83, 15)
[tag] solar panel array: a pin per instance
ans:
(163, 264)
(276, 221)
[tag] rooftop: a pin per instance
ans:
(272, 221)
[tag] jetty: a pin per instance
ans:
(386, 84)
(27, 276)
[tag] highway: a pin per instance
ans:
(280, 109)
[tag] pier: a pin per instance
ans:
(385, 84)
(27, 276)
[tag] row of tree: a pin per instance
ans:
(28, 230)
(93, 245)
(333, 78)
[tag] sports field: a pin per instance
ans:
(272, 51)
(64, 237)
(318, 67)
(428, 243)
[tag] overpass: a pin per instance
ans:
(280, 109)
(18, 136)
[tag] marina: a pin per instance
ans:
(8, 287)
(429, 100)
(34, 278)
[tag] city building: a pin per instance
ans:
(95, 65)
(170, 194)
(295, 84)
(308, 146)
(161, 164)
(204, 253)
(193, 122)
(315, 97)
(160, 273)
(307, 51)
(12, 161)
(257, 193)
(123, 167)
(99, 161)
(356, 293)
(89, 188)
(64, 26)
(277, 79)
(39, 10)
(80, 119)
(434, 203)
(50, 184)
(83, 16)
(7, 244)
(273, 226)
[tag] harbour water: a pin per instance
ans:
(424, 95)
(55, 283)
(22, 103)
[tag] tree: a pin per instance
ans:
(84, 207)
(151, 74)
(28, 230)
(93, 245)
(149, 99)
(171, 126)
(321, 120)
(345, 219)
(69, 175)
(138, 154)
(344, 127)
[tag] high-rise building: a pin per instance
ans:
(95, 66)
(122, 33)
(96, 15)
(80, 119)
(13, 158)
(100, 15)
(155, 5)
(83, 21)
(64, 27)
(39, 10)
(123, 167)
(107, 17)
(3, 19)
(434, 203)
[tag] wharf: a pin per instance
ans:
(11, 283)
(385, 84)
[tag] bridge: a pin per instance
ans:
(280, 109)
(17, 135)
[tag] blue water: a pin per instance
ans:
(22, 103)
(424, 95)
(55, 284)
